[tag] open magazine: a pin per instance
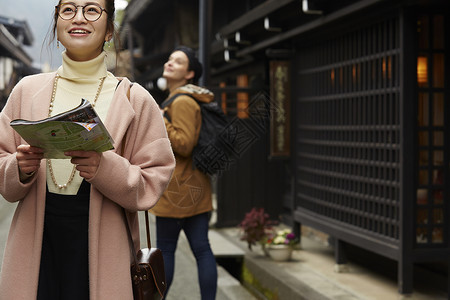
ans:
(77, 129)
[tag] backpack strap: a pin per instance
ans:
(171, 99)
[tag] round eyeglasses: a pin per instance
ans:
(91, 12)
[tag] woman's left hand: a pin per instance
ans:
(86, 162)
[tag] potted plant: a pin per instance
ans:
(256, 227)
(280, 244)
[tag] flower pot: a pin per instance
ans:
(280, 252)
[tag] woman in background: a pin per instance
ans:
(186, 203)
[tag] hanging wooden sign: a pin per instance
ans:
(280, 93)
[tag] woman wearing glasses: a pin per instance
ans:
(68, 238)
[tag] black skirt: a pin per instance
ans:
(64, 269)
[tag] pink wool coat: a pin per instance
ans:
(134, 182)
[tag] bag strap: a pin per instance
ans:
(130, 237)
(147, 229)
(127, 221)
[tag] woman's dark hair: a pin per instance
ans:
(111, 15)
(194, 63)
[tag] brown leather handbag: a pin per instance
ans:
(147, 269)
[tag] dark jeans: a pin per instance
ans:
(196, 230)
(64, 271)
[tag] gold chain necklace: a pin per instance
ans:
(50, 109)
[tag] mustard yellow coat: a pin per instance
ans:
(189, 191)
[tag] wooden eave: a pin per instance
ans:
(16, 28)
(135, 9)
(12, 47)
(321, 21)
(307, 23)
(252, 16)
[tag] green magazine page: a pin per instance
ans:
(76, 129)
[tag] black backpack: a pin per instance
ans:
(214, 150)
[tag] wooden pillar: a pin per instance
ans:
(242, 97)
(204, 34)
(223, 98)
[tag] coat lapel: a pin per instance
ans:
(120, 114)
(42, 97)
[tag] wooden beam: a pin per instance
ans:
(253, 15)
(135, 9)
(320, 21)
(12, 47)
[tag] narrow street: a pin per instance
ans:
(309, 275)
(185, 284)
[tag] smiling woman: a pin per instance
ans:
(84, 28)
(77, 203)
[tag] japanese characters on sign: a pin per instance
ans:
(280, 117)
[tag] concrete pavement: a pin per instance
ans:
(309, 275)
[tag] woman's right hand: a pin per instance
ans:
(29, 158)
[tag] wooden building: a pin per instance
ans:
(355, 138)
(14, 61)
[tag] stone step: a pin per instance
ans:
(222, 247)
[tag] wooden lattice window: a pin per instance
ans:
(348, 133)
(432, 159)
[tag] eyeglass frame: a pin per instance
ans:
(57, 8)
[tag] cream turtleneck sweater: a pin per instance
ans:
(79, 80)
